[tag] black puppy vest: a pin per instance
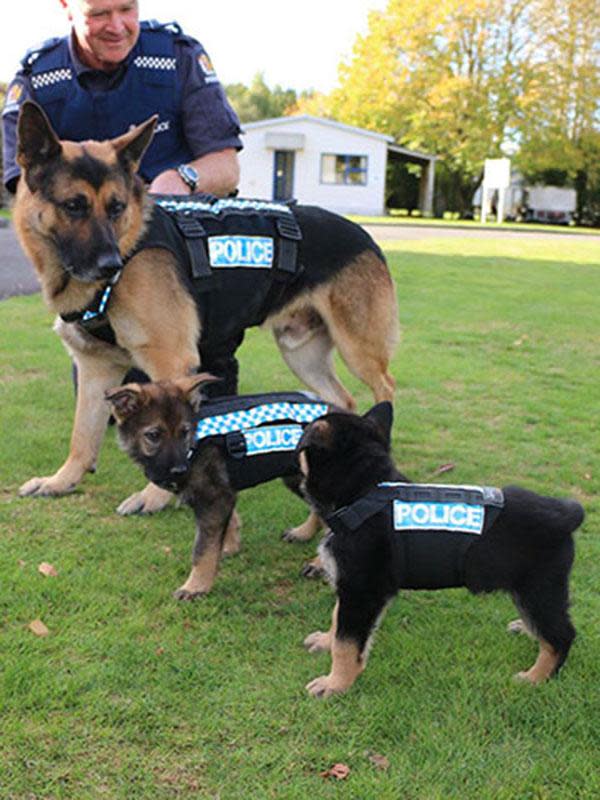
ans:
(235, 256)
(432, 526)
(257, 434)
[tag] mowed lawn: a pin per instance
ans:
(133, 695)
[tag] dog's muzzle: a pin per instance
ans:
(174, 480)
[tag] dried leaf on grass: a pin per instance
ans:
(38, 627)
(338, 771)
(47, 569)
(444, 468)
(379, 761)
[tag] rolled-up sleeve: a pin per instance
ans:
(209, 122)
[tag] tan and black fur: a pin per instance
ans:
(156, 429)
(81, 208)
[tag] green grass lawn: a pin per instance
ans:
(132, 695)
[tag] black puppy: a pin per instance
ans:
(388, 534)
(207, 451)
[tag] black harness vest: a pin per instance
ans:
(431, 527)
(257, 434)
(235, 256)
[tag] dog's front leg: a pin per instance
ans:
(212, 520)
(349, 640)
(94, 376)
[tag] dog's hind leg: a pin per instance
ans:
(307, 349)
(546, 616)
(232, 540)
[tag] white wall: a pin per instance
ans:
(257, 167)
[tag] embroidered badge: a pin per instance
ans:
(13, 98)
(241, 251)
(278, 438)
(425, 516)
(206, 65)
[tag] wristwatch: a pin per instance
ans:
(189, 176)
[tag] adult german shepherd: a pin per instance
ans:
(80, 211)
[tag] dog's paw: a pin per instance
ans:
(518, 626)
(46, 487)
(526, 676)
(148, 501)
(317, 642)
(323, 687)
(186, 596)
(313, 569)
(298, 534)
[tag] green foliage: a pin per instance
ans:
(134, 696)
(466, 78)
(258, 101)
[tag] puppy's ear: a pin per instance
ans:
(132, 145)
(37, 145)
(383, 416)
(125, 400)
(191, 386)
(317, 434)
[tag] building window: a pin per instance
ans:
(344, 170)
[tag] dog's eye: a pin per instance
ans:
(76, 207)
(115, 208)
(152, 435)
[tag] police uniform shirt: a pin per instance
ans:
(209, 122)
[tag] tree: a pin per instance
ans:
(466, 79)
(258, 101)
(559, 108)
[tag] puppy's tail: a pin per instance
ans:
(553, 518)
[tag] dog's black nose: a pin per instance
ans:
(110, 263)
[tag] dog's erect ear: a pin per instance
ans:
(191, 386)
(132, 145)
(125, 400)
(383, 416)
(37, 142)
(317, 434)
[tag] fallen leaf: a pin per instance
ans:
(160, 651)
(38, 627)
(587, 476)
(518, 342)
(381, 762)
(47, 569)
(167, 550)
(338, 771)
(22, 563)
(444, 468)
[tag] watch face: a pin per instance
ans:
(189, 175)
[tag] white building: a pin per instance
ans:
(321, 162)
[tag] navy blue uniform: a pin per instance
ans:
(167, 73)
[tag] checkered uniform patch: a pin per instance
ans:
(50, 78)
(155, 62)
(226, 204)
(269, 412)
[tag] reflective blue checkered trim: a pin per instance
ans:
(226, 204)
(268, 412)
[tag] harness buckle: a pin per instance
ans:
(235, 444)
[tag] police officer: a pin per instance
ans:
(112, 72)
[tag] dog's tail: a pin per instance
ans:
(553, 518)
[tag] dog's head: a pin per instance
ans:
(156, 425)
(84, 198)
(343, 455)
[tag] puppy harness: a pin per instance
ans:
(431, 526)
(257, 434)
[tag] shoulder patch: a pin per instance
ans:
(14, 97)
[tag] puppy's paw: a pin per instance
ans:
(186, 595)
(323, 687)
(313, 569)
(318, 642)
(148, 501)
(516, 626)
(50, 486)
(526, 677)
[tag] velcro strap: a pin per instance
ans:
(290, 234)
(192, 230)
